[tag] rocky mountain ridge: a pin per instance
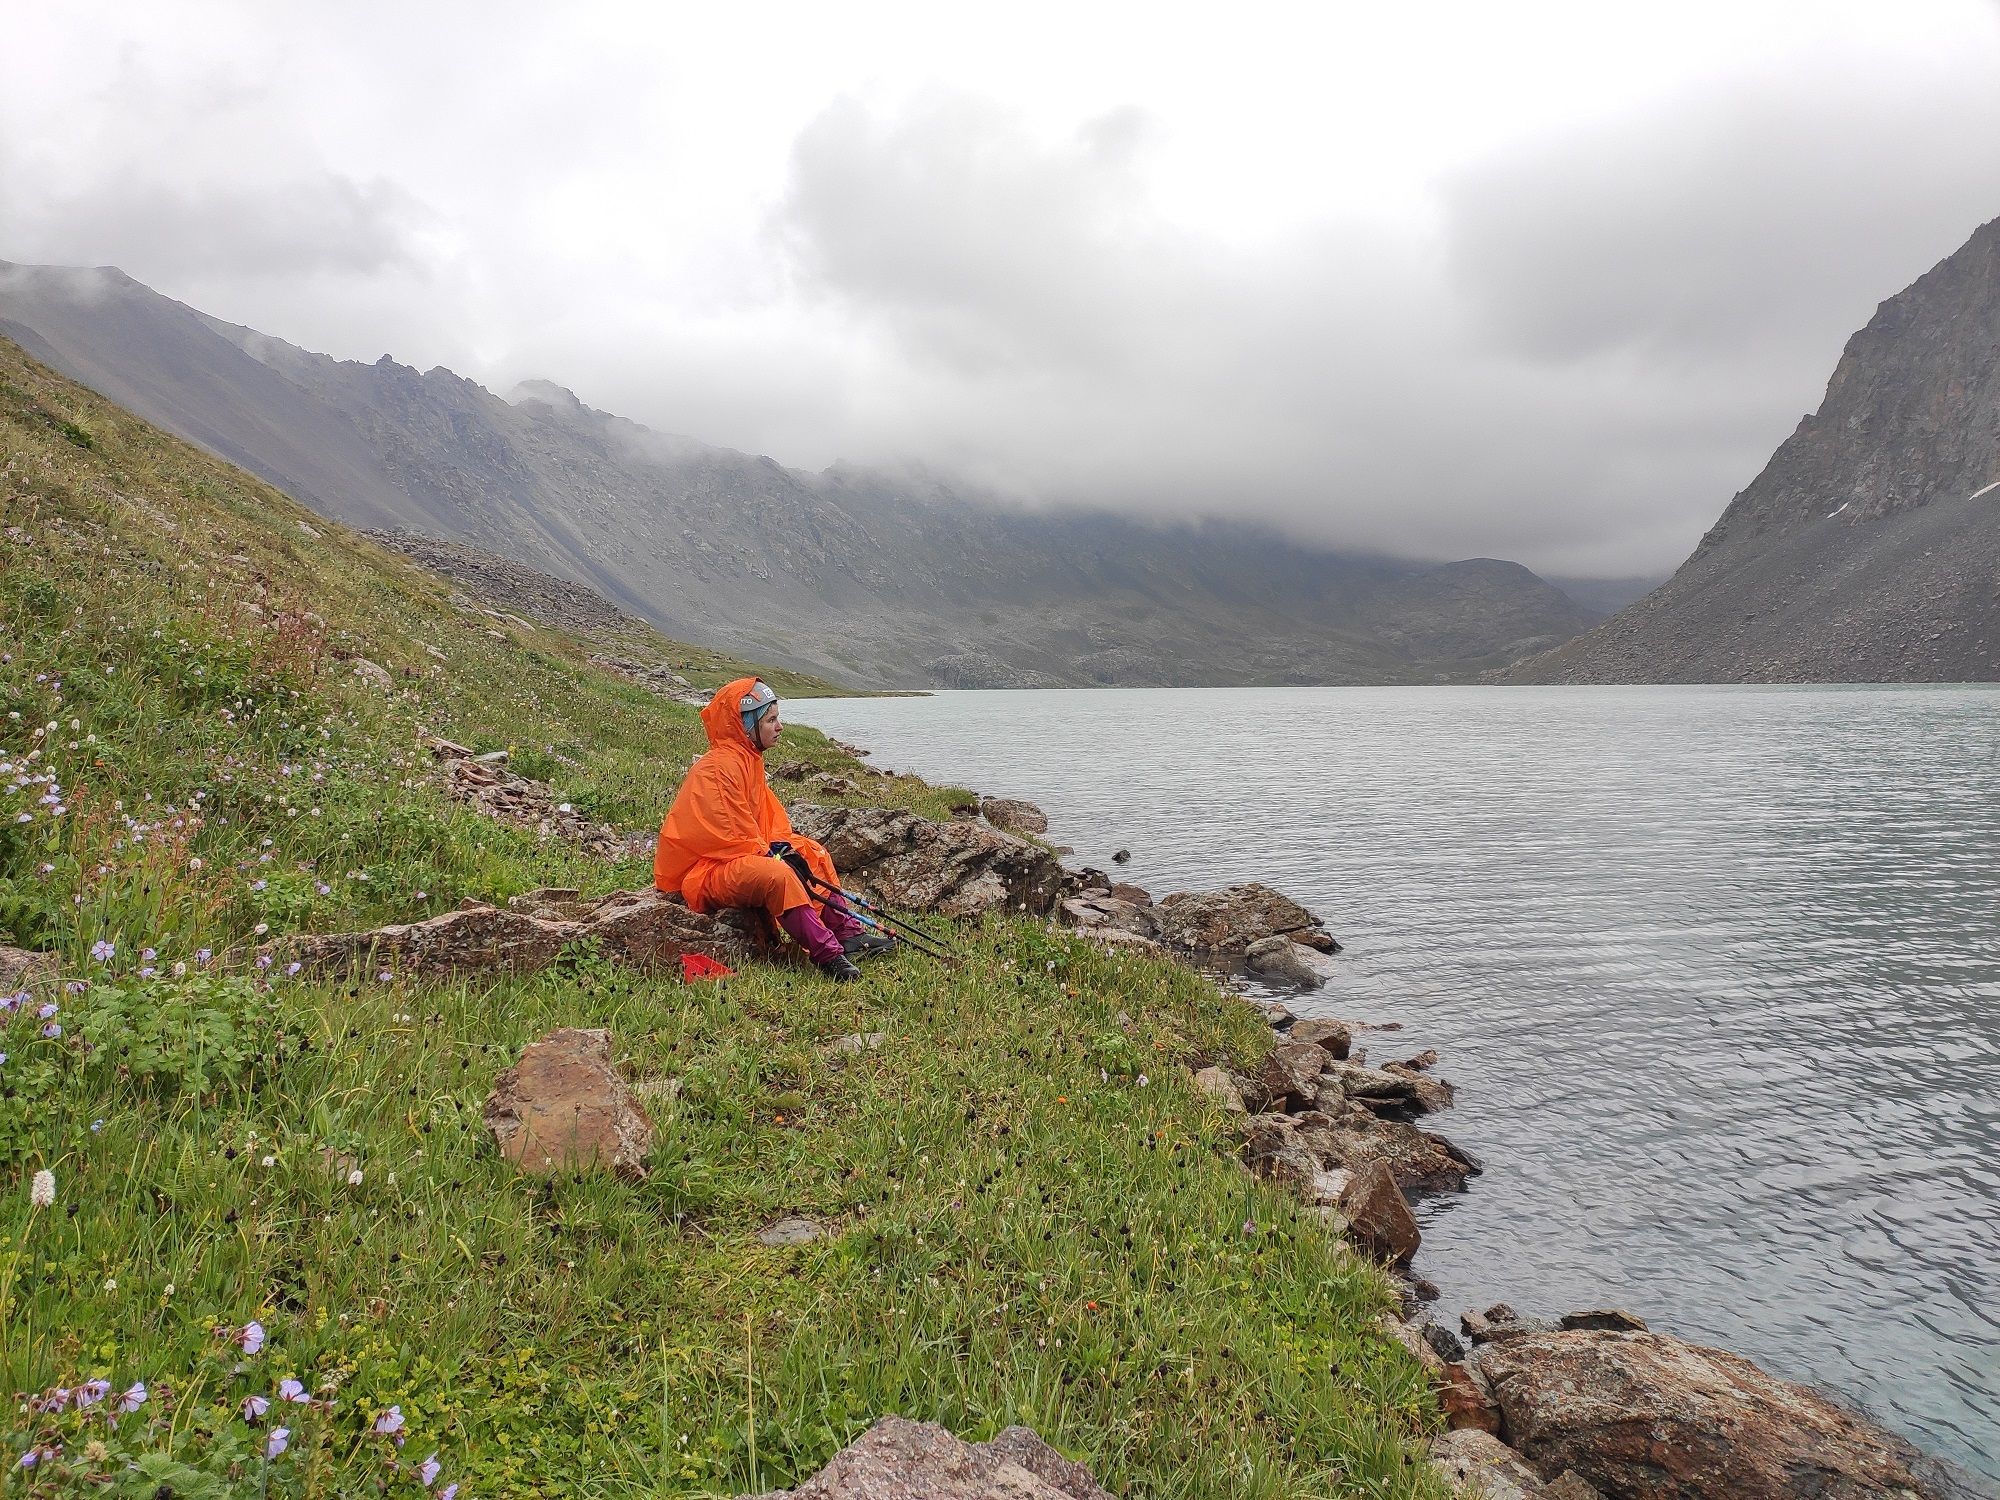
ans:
(1868, 549)
(875, 578)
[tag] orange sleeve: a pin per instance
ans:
(775, 821)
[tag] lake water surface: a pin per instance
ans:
(1716, 972)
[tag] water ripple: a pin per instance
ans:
(1717, 972)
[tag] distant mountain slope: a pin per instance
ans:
(879, 579)
(1868, 550)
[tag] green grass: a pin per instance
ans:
(1032, 1217)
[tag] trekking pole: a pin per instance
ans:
(916, 937)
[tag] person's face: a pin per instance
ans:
(767, 729)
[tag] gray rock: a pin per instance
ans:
(1649, 1417)
(791, 1230)
(1478, 1463)
(897, 1459)
(856, 1043)
(1227, 922)
(957, 868)
(1281, 959)
(21, 968)
(1010, 815)
(1291, 1070)
(1219, 1086)
(1332, 1036)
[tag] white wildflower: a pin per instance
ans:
(42, 1192)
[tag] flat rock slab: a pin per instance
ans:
(897, 1459)
(564, 1108)
(1478, 1463)
(1644, 1416)
(644, 929)
(791, 1230)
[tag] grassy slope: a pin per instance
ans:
(1036, 1219)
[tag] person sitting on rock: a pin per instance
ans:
(727, 840)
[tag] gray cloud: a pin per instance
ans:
(300, 226)
(1608, 339)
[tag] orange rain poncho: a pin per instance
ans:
(714, 845)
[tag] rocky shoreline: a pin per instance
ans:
(1589, 1404)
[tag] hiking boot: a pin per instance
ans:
(840, 969)
(868, 945)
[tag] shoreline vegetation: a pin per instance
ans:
(270, 1204)
(256, 1230)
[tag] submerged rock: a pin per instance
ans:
(563, 1108)
(1644, 1416)
(1279, 958)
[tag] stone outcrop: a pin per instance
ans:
(1225, 923)
(21, 969)
(563, 1108)
(898, 1459)
(1336, 1037)
(1478, 1463)
(959, 869)
(1010, 815)
(1644, 1416)
(484, 784)
(644, 929)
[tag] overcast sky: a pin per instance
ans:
(1541, 281)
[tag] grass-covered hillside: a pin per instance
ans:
(260, 1189)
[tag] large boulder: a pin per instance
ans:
(960, 868)
(1227, 922)
(1011, 815)
(1095, 912)
(898, 1459)
(563, 1108)
(1645, 1416)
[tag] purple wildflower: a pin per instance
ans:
(449, 1492)
(52, 1031)
(264, 960)
(255, 1407)
(252, 1337)
(147, 955)
(292, 1390)
(292, 968)
(132, 1399)
(48, 1009)
(427, 1471)
(91, 1392)
(202, 956)
(390, 1422)
(103, 950)
(279, 1440)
